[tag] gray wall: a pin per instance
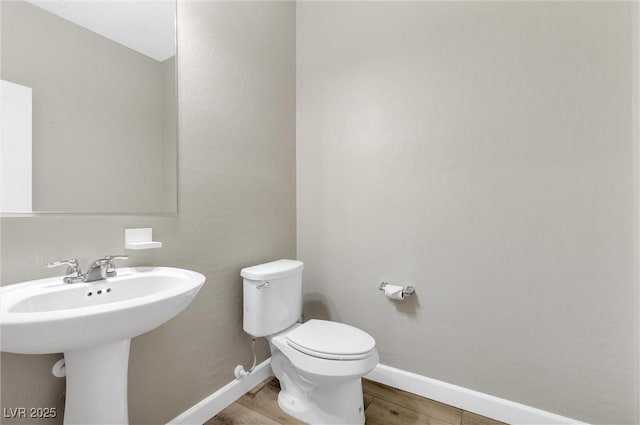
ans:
(483, 153)
(99, 115)
(236, 208)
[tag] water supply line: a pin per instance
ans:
(240, 371)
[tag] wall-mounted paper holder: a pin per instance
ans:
(406, 290)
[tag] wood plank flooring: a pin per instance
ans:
(383, 406)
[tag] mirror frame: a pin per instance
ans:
(24, 214)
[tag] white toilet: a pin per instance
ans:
(319, 363)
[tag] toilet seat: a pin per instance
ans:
(331, 340)
(319, 367)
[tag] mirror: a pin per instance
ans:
(88, 106)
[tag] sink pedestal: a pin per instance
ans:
(97, 384)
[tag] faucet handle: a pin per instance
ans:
(69, 262)
(73, 273)
(116, 257)
(111, 268)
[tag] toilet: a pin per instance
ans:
(319, 363)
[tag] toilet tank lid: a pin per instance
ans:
(272, 270)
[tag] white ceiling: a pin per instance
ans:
(146, 26)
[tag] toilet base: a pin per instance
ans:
(335, 401)
(335, 405)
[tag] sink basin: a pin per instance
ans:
(92, 324)
(49, 316)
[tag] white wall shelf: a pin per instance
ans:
(140, 238)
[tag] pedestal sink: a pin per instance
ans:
(92, 324)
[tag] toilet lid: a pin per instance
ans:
(331, 340)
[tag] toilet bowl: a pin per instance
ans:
(323, 386)
(319, 363)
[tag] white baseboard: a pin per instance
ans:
(216, 402)
(463, 398)
(466, 399)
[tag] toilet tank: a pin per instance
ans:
(272, 296)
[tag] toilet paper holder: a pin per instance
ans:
(406, 290)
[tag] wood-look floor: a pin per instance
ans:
(383, 406)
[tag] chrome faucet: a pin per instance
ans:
(103, 268)
(99, 270)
